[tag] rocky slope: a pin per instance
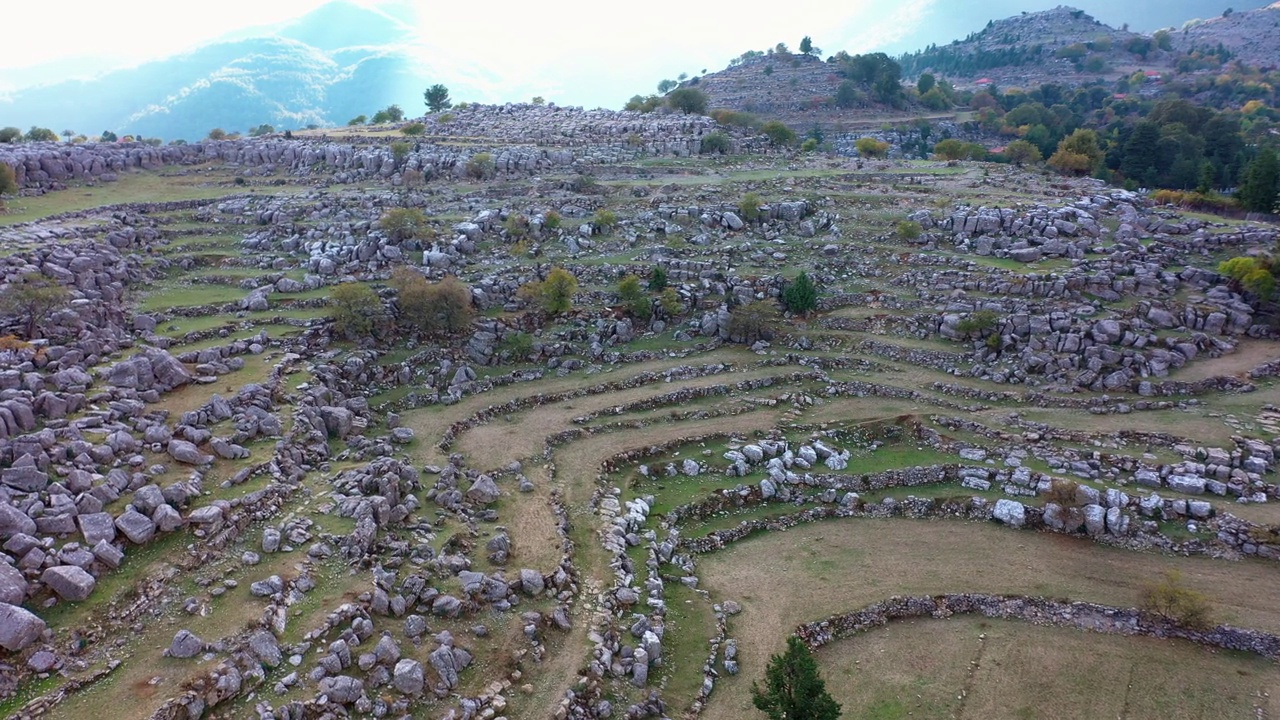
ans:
(1252, 36)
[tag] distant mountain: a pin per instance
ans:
(340, 61)
(941, 22)
(1252, 36)
(1067, 45)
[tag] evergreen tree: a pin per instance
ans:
(793, 689)
(657, 278)
(801, 295)
(1140, 153)
(437, 98)
(1259, 186)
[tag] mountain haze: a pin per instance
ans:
(340, 61)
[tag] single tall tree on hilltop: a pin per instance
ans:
(793, 689)
(437, 98)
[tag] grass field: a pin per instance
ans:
(807, 573)
(968, 667)
(133, 187)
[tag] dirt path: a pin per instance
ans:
(1249, 354)
(576, 468)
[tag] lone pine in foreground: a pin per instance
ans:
(793, 689)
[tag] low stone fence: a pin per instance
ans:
(531, 401)
(1038, 611)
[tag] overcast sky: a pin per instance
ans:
(582, 52)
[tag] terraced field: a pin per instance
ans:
(607, 512)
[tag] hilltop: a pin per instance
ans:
(1253, 36)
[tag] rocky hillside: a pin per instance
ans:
(1252, 36)
(1063, 44)
(1067, 45)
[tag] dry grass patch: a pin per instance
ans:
(922, 669)
(783, 579)
(431, 422)
(525, 434)
(1249, 354)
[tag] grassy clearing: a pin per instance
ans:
(130, 188)
(785, 578)
(923, 669)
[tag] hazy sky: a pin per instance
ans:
(583, 52)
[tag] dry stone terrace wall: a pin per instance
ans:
(1039, 611)
(524, 139)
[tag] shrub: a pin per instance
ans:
(217, 134)
(953, 149)
(441, 308)
(749, 207)
(847, 95)
(480, 166)
(552, 220)
(400, 151)
(1021, 152)
(604, 219)
(555, 294)
(357, 120)
(690, 101)
(979, 322)
(809, 145)
(1172, 600)
(8, 180)
(641, 104)
(39, 134)
(669, 299)
(1195, 200)
(909, 230)
(778, 133)
(516, 226)
(33, 298)
(585, 184)
(1063, 493)
(715, 142)
(516, 345)
(871, 147)
(10, 135)
(657, 278)
(403, 223)
(736, 118)
(752, 322)
(389, 114)
(354, 308)
(634, 298)
(263, 129)
(414, 129)
(801, 295)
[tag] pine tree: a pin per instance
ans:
(658, 278)
(1140, 152)
(1261, 179)
(793, 689)
(801, 295)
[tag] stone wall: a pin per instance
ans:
(1038, 611)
